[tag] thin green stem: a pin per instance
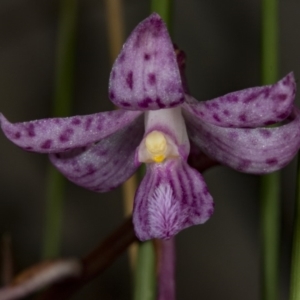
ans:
(295, 266)
(145, 279)
(164, 9)
(65, 58)
(63, 95)
(145, 268)
(270, 36)
(55, 191)
(270, 213)
(270, 184)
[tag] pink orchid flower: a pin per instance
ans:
(157, 124)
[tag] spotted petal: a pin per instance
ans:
(171, 197)
(106, 164)
(251, 107)
(145, 75)
(62, 134)
(255, 150)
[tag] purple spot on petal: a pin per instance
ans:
(30, 130)
(129, 80)
(88, 123)
(176, 103)
(152, 79)
(272, 161)
(17, 135)
(111, 95)
(65, 136)
(46, 144)
(215, 105)
(147, 56)
(90, 170)
(242, 118)
(159, 103)
(122, 57)
(231, 98)
(244, 164)
(156, 26)
(265, 133)
(99, 126)
(286, 81)
(283, 115)
(138, 40)
(28, 148)
(250, 98)
(205, 191)
(76, 121)
(201, 113)
(226, 112)
(282, 97)
(216, 117)
(233, 135)
(102, 152)
(145, 103)
(266, 92)
(210, 212)
(124, 103)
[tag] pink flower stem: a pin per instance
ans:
(166, 269)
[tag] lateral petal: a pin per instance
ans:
(145, 75)
(249, 150)
(106, 164)
(62, 134)
(171, 197)
(251, 107)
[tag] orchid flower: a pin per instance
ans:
(157, 124)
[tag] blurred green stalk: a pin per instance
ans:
(270, 231)
(270, 184)
(63, 96)
(145, 279)
(295, 264)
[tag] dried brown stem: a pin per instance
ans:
(94, 263)
(39, 276)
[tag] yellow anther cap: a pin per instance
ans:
(156, 145)
(156, 142)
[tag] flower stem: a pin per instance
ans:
(63, 95)
(295, 265)
(145, 273)
(270, 184)
(270, 230)
(269, 41)
(115, 27)
(166, 270)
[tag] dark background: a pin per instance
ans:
(222, 41)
